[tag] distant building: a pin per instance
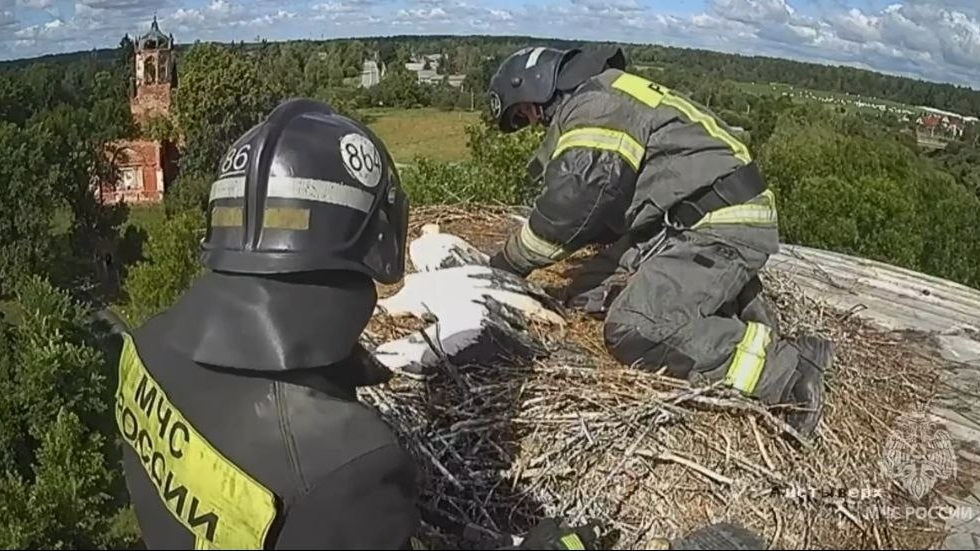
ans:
(426, 68)
(372, 71)
(943, 124)
(146, 167)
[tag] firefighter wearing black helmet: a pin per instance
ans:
(633, 163)
(237, 406)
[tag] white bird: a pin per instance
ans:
(482, 313)
(434, 251)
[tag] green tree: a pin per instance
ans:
(221, 95)
(172, 262)
(61, 486)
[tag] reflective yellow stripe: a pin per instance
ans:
(655, 95)
(572, 541)
(750, 355)
(640, 88)
(221, 505)
(710, 125)
(539, 246)
(280, 218)
(753, 213)
(766, 198)
(603, 138)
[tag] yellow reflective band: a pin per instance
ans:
(758, 211)
(286, 218)
(572, 541)
(740, 214)
(640, 88)
(226, 217)
(222, 506)
(710, 125)
(539, 246)
(275, 218)
(750, 356)
(767, 198)
(655, 95)
(603, 138)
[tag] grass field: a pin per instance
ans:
(439, 135)
(408, 133)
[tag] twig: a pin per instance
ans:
(670, 456)
(442, 468)
(749, 406)
(760, 445)
(629, 453)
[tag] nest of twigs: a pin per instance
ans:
(650, 457)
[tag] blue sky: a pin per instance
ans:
(932, 39)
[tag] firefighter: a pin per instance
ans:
(631, 163)
(237, 405)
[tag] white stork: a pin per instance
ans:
(482, 313)
(434, 251)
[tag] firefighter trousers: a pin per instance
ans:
(695, 307)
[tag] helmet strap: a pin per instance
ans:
(547, 110)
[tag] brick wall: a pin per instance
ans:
(141, 165)
(150, 100)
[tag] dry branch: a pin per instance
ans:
(578, 435)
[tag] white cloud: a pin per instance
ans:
(752, 11)
(935, 39)
(35, 4)
(8, 21)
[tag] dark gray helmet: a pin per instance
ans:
(307, 190)
(528, 75)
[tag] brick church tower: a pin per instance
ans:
(146, 166)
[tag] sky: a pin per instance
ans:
(932, 39)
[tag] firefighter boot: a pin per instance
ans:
(807, 390)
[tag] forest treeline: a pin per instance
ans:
(466, 53)
(844, 181)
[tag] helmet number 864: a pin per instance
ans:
(361, 159)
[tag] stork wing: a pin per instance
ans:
(437, 251)
(470, 334)
(440, 291)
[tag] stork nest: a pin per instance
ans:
(579, 436)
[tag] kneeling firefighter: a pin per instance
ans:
(237, 405)
(628, 162)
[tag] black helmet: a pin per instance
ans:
(307, 190)
(528, 75)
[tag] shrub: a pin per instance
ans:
(60, 485)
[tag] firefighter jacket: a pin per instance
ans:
(620, 152)
(259, 449)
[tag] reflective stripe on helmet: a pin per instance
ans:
(276, 218)
(603, 138)
(532, 59)
(290, 187)
(655, 95)
(750, 357)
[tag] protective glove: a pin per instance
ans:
(501, 262)
(552, 534)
